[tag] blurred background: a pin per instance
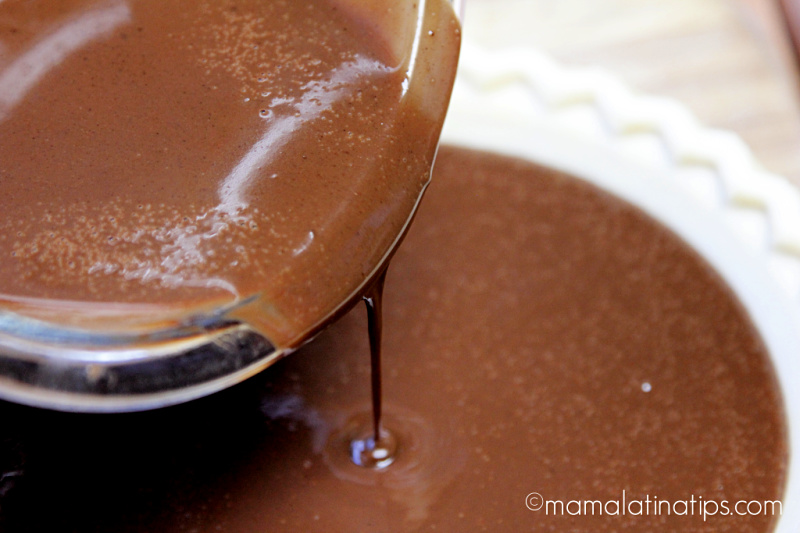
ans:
(730, 61)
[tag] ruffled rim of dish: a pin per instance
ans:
(761, 207)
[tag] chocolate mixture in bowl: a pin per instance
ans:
(163, 159)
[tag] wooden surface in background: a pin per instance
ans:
(727, 60)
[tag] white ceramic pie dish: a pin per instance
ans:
(702, 184)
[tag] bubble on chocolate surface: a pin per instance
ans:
(370, 453)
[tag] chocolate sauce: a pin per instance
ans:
(545, 337)
(161, 160)
(378, 449)
(373, 300)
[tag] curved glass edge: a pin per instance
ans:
(230, 357)
(25, 335)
